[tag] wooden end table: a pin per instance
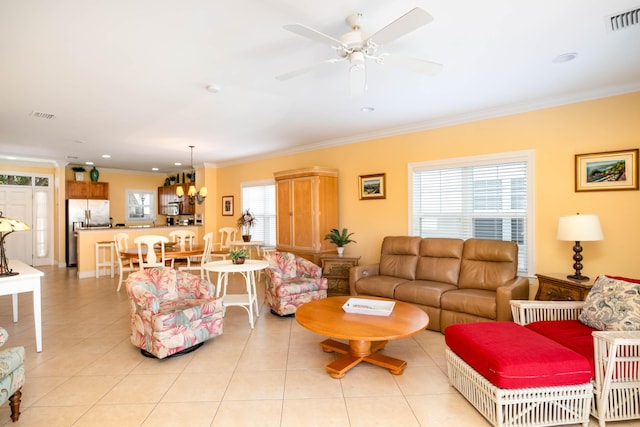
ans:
(367, 334)
(558, 287)
(336, 269)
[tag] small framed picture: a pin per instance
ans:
(610, 170)
(372, 186)
(227, 205)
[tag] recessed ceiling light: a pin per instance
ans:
(88, 163)
(155, 169)
(367, 109)
(177, 164)
(106, 156)
(565, 57)
(214, 88)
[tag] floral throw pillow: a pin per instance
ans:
(613, 304)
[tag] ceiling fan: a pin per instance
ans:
(356, 47)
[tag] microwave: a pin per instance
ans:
(173, 209)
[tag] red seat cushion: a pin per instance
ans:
(512, 356)
(570, 333)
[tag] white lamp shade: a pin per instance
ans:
(192, 191)
(579, 228)
(179, 192)
(203, 192)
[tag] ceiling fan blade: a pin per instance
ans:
(295, 73)
(357, 80)
(310, 33)
(408, 22)
(409, 63)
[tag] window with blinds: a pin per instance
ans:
(485, 197)
(260, 199)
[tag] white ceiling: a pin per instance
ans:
(128, 78)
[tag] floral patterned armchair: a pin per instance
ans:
(172, 311)
(11, 375)
(291, 282)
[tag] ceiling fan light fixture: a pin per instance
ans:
(356, 59)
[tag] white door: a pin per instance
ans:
(16, 202)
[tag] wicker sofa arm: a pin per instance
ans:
(527, 311)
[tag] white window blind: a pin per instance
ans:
(486, 197)
(260, 199)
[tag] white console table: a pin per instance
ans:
(28, 280)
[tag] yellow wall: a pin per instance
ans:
(556, 134)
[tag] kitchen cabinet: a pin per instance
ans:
(87, 190)
(306, 209)
(167, 194)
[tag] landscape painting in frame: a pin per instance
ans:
(372, 186)
(611, 170)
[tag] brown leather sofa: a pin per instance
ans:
(452, 280)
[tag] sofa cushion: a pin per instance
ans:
(476, 302)
(380, 286)
(488, 264)
(512, 356)
(613, 304)
(399, 256)
(570, 333)
(422, 292)
(439, 260)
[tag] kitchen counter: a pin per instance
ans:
(88, 237)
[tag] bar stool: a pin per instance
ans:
(105, 257)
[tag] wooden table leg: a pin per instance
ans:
(358, 351)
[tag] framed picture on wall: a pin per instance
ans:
(372, 186)
(610, 170)
(227, 205)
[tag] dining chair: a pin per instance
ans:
(183, 238)
(201, 259)
(125, 264)
(227, 235)
(264, 252)
(147, 243)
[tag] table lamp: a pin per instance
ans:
(579, 228)
(8, 226)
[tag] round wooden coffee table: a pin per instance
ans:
(366, 333)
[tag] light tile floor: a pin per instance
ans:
(89, 374)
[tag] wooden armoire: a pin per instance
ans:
(306, 210)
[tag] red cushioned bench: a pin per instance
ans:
(515, 376)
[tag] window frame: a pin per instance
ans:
(527, 156)
(152, 205)
(260, 217)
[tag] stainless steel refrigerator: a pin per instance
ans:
(83, 213)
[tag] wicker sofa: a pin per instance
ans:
(452, 280)
(605, 328)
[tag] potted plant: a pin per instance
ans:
(79, 171)
(339, 238)
(245, 222)
(238, 255)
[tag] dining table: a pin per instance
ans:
(171, 251)
(249, 246)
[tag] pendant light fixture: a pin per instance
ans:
(193, 194)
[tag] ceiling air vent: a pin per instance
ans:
(624, 20)
(43, 115)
